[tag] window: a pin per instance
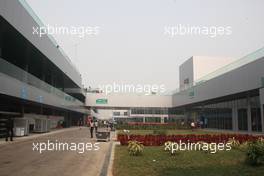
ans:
(116, 113)
(153, 119)
(218, 115)
(186, 81)
(256, 119)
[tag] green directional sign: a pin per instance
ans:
(101, 101)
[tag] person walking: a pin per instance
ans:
(9, 129)
(91, 128)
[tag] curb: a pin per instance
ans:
(111, 162)
(112, 156)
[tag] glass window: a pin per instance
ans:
(218, 116)
(153, 119)
(116, 113)
(242, 119)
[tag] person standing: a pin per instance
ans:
(111, 126)
(80, 123)
(182, 123)
(96, 125)
(205, 122)
(201, 124)
(91, 128)
(192, 126)
(9, 129)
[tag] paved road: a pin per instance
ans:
(20, 159)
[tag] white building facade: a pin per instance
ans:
(231, 97)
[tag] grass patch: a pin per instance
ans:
(156, 162)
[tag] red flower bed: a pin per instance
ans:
(157, 140)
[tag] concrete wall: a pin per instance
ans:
(261, 95)
(186, 72)
(198, 66)
(104, 114)
(129, 100)
(247, 77)
(204, 65)
(20, 18)
(16, 88)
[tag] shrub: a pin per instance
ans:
(244, 146)
(234, 143)
(255, 153)
(261, 139)
(160, 132)
(135, 148)
(168, 147)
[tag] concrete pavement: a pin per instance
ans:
(18, 158)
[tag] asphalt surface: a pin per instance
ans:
(21, 158)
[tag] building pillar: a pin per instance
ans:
(22, 111)
(144, 120)
(2, 29)
(1, 41)
(161, 119)
(234, 117)
(261, 97)
(249, 114)
(67, 118)
(63, 86)
(262, 117)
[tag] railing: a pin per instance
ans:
(39, 22)
(19, 74)
(232, 66)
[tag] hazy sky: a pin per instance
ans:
(132, 47)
